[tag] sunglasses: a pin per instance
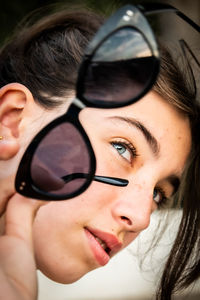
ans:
(120, 66)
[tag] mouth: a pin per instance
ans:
(103, 245)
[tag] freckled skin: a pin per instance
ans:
(61, 247)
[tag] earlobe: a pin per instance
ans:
(13, 98)
(8, 148)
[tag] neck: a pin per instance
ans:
(7, 190)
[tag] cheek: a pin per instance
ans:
(52, 226)
(99, 196)
(56, 231)
(46, 227)
(56, 218)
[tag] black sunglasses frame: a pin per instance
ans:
(138, 21)
(126, 17)
(24, 183)
(157, 8)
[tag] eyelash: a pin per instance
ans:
(129, 146)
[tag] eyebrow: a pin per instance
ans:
(151, 140)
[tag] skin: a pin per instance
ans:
(15, 243)
(61, 247)
(18, 280)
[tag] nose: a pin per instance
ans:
(133, 207)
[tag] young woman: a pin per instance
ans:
(55, 46)
(38, 71)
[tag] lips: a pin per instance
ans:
(103, 245)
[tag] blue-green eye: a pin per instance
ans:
(127, 151)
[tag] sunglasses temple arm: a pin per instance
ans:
(159, 8)
(188, 20)
(111, 180)
(104, 179)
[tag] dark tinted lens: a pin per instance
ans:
(61, 163)
(120, 70)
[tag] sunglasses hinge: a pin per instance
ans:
(78, 103)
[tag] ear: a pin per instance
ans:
(13, 99)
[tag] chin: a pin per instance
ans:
(64, 276)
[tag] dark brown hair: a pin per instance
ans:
(182, 268)
(45, 58)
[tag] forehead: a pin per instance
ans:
(170, 128)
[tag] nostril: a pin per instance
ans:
(127, 220)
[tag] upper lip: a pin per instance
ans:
(111, 240)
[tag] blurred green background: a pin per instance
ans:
(13, 11)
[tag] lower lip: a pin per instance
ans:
(99, 253)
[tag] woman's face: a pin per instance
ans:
(148, 144)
